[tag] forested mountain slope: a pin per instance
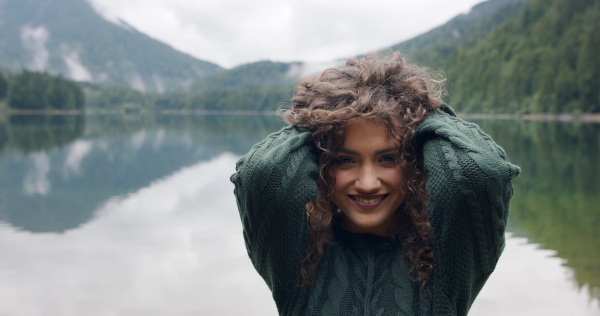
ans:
(71, 38)
(434, 47)
(544, 61)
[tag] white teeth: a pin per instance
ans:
(371, 201)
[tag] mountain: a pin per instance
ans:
(258, 86)
(465, 30)
(268, 85)
(262, 73)
(545, 60)
(74, 38)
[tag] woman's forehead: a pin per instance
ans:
(361, 124)
(364, 132)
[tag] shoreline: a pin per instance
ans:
(564, 117)
(134, 112)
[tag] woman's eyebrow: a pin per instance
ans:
(347, 151)
(385, 150)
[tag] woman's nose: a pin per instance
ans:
(367, 181)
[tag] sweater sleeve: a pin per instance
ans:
(470, 190)
(273, 183)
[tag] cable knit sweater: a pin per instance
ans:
(362, 274)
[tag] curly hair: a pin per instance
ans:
(390, 91)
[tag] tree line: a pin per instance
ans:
(543, 61)
(261, 98)
(31, 90)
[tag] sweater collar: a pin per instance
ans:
(363, 241)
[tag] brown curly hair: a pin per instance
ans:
(390, 91)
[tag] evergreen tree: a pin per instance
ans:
(3, 86)
(42, 91)
(544, 61)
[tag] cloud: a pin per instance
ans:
(36, 179)
(77, 70)
(76, 152)
(108, 15)
(34, 40)
(136, 82)
(158, 83)
(137, 139)
(232, 32)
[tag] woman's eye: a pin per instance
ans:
(344, 160)
(389, 159)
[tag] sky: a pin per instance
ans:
(235, 32)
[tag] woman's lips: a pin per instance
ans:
(368, 201)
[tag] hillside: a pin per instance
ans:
(267, 85)
(465, 30)
(543, 61)
(71, 38)
(259, 86)
(262, 73)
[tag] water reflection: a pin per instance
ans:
(51, 182)
(174, 247)
(557, 203)
(131, 215)
(31, 133)
(532, 281)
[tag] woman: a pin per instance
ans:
(376, 200)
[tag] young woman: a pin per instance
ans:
(376, 199)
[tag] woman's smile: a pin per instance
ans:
(368, 201)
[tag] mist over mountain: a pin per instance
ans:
(76, 39)
(504, 56)
(266, 86)
(433, 47)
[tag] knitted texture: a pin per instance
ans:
(361, 274)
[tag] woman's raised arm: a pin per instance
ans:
(470, 189)
(273, 183)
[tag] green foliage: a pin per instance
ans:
(117, 97)
(266, 98)
(41, 91)
(434, 47)
(258, 74)
(543, 61)
(518, 56)
(260, 86)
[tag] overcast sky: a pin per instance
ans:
(234, 32)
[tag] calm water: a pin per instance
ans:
(107, 215)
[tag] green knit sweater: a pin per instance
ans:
(362, 274)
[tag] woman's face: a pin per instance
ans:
(368, 182)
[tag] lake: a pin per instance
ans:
(135, 215)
